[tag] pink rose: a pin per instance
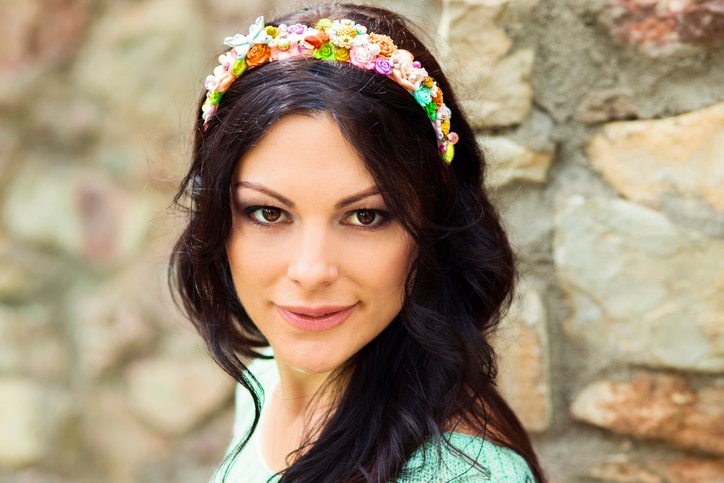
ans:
(362, 57)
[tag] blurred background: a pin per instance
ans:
(603, 122)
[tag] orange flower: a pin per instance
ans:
(387, 46)
(258, 54)
(437, 97)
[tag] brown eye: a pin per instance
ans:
(266, 215)
(271, 214)
(366, 217)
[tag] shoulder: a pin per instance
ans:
(466, 459)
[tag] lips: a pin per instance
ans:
(315, 318)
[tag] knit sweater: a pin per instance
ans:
(427, 464)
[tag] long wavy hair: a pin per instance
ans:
(432, 369)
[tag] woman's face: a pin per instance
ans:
(317, 261)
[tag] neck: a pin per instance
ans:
(297, 390)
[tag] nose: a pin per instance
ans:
(312, 262)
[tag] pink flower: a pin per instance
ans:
(297, 29)
(362, 57)
(405, 72)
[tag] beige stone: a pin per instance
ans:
(509, 162)
(109, 324)
(641, 290)
(145, 61)
(656, 406)
(522, 347)
(678, 156)
(82, 213)
(696, 470)
(119, 443)
(174, 394)
(624, 472)
(26, 425)
(494, 84)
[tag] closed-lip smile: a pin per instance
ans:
(315, 318)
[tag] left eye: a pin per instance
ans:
(365, 217)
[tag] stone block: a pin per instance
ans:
(660, 28)
(118, 442)
(24, 419)
(495, 85)
(31, 344)
(522, 347)
(640, 290)
(510, 162)
(174, 394)
(77, 212)
(663, 407)
(607, 105)
(680, 156)
(37, 36)
(145, 62)
(109, 324)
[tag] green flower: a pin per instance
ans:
(431, 110)
(239, 67)
(325, 52)
(214, 97)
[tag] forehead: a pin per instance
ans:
(307, 152)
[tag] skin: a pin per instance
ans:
(312, 246)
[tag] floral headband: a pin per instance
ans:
(342, 41)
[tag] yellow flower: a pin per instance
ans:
(271, 31)
(341, 54)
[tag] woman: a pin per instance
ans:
(342, 261)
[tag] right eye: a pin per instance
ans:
(266, 215)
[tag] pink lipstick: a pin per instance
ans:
(316, 318)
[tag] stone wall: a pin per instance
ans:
(603, 121)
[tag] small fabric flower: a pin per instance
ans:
(362, 57)
(345, 41)
(341, 54)
(405, 72)
(325, 52)
(259, 54)
(431, 110)
(297, 29)
(387, 46)
(211, 82)
(383, 66)
(422, 96)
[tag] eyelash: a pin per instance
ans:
(255, 216)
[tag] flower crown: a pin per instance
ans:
(339, 40)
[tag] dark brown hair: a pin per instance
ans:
(433, 366)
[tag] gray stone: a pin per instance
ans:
(640, 290)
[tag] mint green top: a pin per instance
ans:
(426, 464)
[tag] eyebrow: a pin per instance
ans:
(373, 191)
